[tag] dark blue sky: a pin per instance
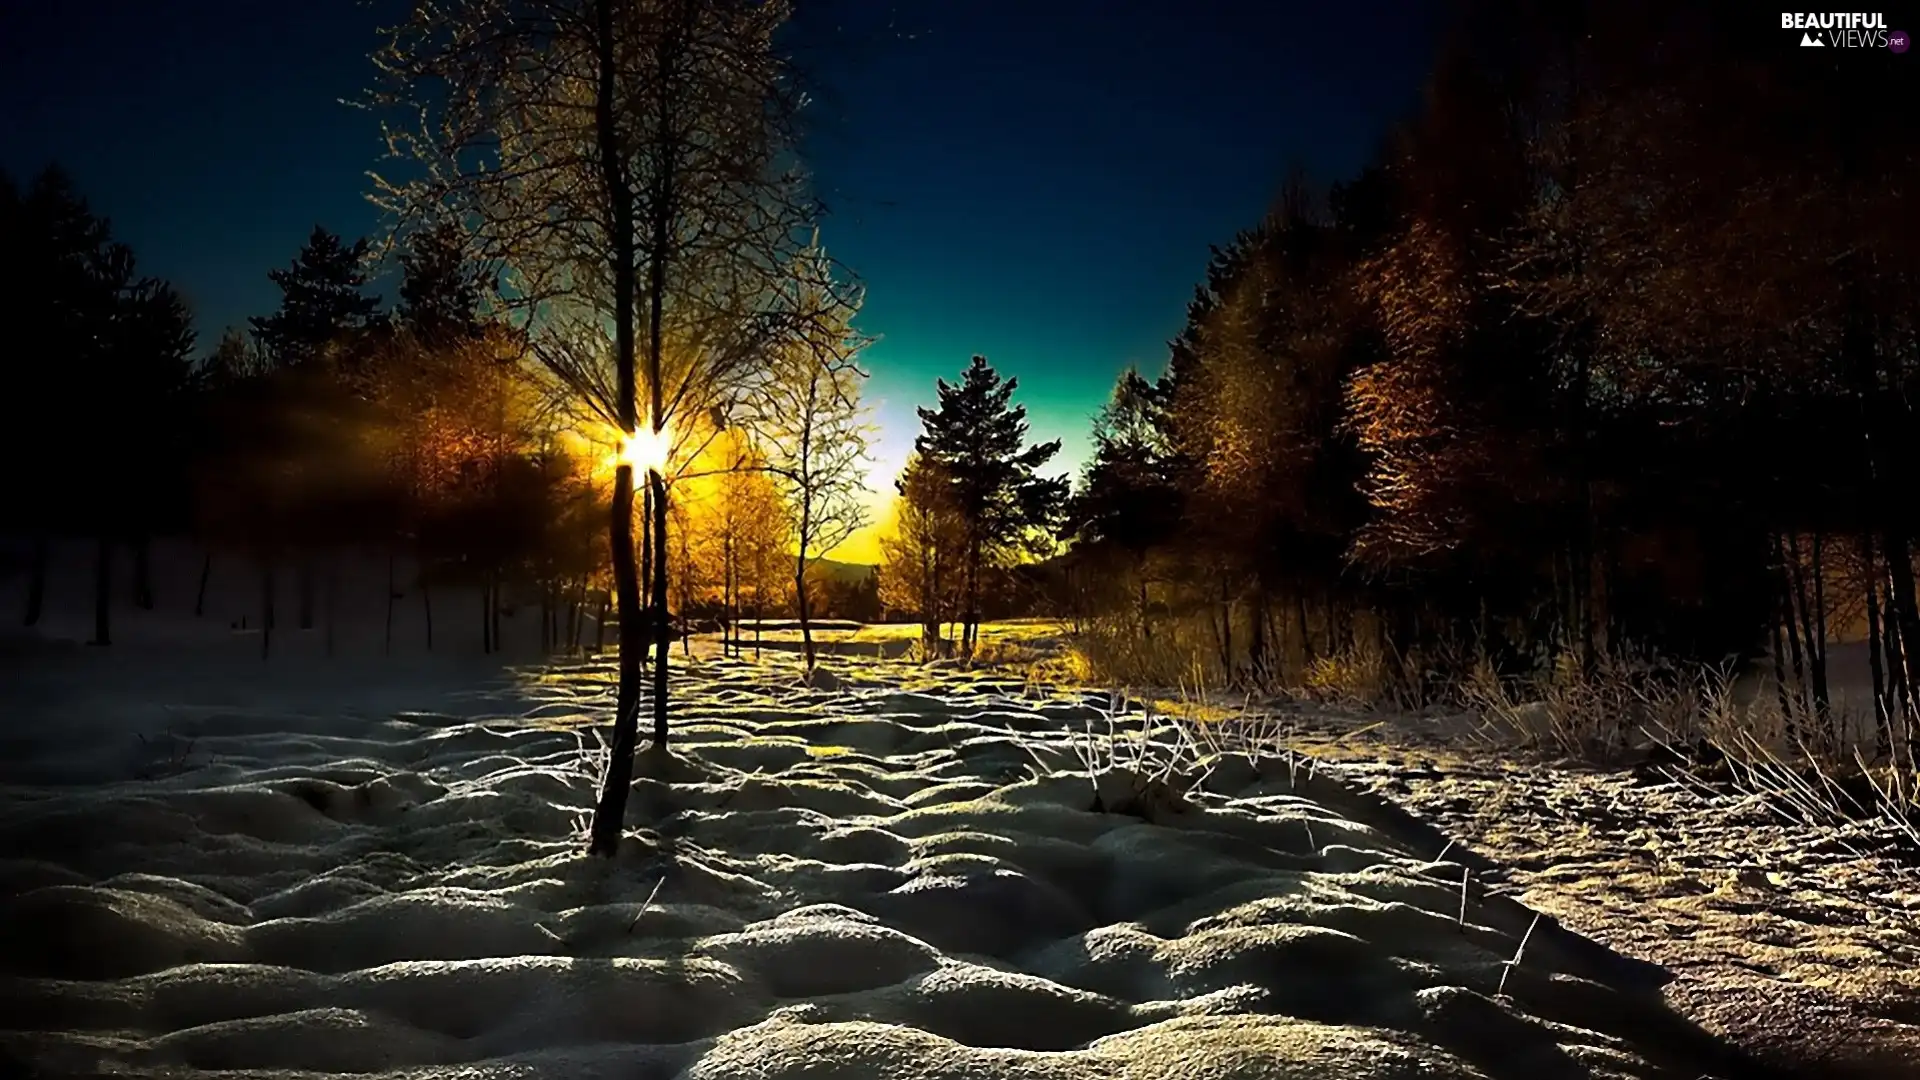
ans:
(1035, 180)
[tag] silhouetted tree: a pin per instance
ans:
(321, 301)
(629, 163)
(1129, 500)
(976, 440)
(123, 343)
(440, 289)
(1586, 361)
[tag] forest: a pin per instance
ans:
(424, 430)
(1477, 636)
(1607, 361)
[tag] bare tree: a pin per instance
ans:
(627, 169)
(811, 426)
(743, 526)
(922, 554)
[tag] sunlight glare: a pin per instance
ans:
(646, 450)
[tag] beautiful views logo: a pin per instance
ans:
(1844, 30)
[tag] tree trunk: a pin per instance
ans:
(971, 615)
(386, 643)
(266, 608)
(1226, 629)
(1140, 575)
(493, 606)
(600, 624)
(800, 603)
(1822, 698)
(426, 605)
(143, 572)
(1789, 625)
(37, 582)
(200, 594)
(1257, 638)
(1306, 635)
(1810, 623)
(729, 596)
(657, 414)
(609, 812)
(1903, 614)
(1899, 691)
(929, 601)
(1780, 668)
(103, 593)
(331, 587)
(1876, 649)
(646, 542)
(306, 592)
(486, 623)
(1213, 627)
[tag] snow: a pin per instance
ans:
(364, 868)
(217, 865)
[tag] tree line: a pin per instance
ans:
(621, 361)
(1613, 348)
(333, 423)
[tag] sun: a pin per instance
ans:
(645, 450)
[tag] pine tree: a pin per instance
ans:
(976, 439)
(1130, 497)
(124, 344)
(440, 291)
(320, 300)
(56, 247)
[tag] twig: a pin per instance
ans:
(644, 908)
(1466, 875)
(1517, 954)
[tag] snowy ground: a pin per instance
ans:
(1799, 943)
(217, 865)
(323, 869)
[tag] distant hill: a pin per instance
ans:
(846, 571)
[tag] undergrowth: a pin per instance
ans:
(1703, 725)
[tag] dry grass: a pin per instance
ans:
(1597, 714)
(592, 758)
(1112, 650)
(1001, 652)
(1370, 675)
(1698, 724)
(166, 755)
(1624, 709)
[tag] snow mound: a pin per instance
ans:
(830, 878)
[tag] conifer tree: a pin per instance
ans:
(321, 300)
(440, 289)
(977, 440)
